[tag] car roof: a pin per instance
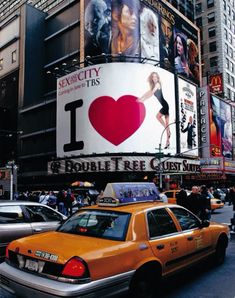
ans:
(15, 202)
(132, 207)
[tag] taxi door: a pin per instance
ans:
(167, 244)
(199, 240)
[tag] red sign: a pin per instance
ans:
(216, 83)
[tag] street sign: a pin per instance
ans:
(159, 155)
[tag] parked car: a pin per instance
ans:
(126, 242)
(219, 194)
(19, 219)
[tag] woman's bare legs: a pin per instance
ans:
(165, 124)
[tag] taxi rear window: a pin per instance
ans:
(96, 223)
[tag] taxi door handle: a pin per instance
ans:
(160, 246)
(37, 230)
(190, 238)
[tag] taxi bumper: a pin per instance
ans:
(23, 284)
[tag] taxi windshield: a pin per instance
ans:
(96, 223)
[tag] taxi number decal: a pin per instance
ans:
(46, 255)
(199, 242)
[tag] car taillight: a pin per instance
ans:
(75, 267)
(7, 251)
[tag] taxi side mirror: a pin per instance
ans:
(205, 224)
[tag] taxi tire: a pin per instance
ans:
(220, 252)
(145, 284)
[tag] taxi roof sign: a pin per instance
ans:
(130, 192)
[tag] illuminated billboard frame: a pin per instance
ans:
(115, 108)
(188, 118)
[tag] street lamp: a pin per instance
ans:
(160, 154)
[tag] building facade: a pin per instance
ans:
(51, 59)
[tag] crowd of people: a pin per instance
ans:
(63, 201)
(198, 201)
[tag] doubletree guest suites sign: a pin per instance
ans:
(99, 111)
(123, 164)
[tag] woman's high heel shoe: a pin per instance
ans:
(167, 145)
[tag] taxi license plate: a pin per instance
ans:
(31, 265)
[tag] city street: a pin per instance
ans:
(204, 280)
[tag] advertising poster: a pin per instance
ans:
(149, 29)
(215, 126)
(226, 129)
(188, 118)
(116, 108)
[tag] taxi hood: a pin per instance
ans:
(63, 246)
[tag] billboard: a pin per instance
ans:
(188, 118)
(216, 83)
(220, 128)
(116, 108)
(150, 29)
(204, 133)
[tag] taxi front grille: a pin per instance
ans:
(49, 268)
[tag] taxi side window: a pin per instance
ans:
(11, 214)
(186, 219)
(160, 223)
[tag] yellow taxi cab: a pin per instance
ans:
(171, 195)
(128, 242)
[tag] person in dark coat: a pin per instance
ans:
(182, 197)
(194, 202)
(205, 213)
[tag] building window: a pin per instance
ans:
(228, 78)
(230, 52)
(231, 66)
(227, 63)
(199, 22)
(198, 8)
(211, 17)
(229, 24)
(228, 93)
(211, 31)
(225, 19)
(212, 46)
(13, 57)
(224, 2)
(1, 64)
(232, 81)
(229, 10)
(214, 61)
(225, 33)
(210, 3)
(230, 38)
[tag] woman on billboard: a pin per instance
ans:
(163, 115)
(125, 27)
(181, 62)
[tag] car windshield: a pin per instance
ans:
(96, 223)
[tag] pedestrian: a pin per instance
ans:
(69, 202)
(205, 200)
(87, 200)
(182, 197)
(194, 204)
(52, 200)
(232, 199)
(162, 195)
(61, 202)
